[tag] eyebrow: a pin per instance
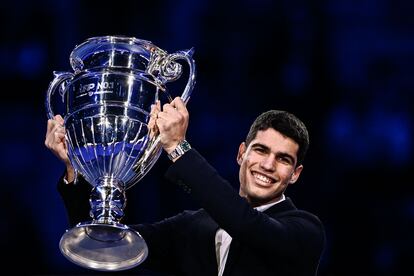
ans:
(278, 154)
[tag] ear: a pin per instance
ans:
(296, 174)
(240, 154)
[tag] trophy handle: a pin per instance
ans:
(170, 69)
(58, 84)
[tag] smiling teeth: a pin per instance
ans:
(262, 178)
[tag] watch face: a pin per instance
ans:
(182, 148)
(185, 145)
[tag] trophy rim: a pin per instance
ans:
(96, 44)
(117, 38)
(112, 40)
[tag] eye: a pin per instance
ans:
(284, 160)
(259, 150)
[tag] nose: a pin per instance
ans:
(268, 163)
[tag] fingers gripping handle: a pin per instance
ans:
(59, 85)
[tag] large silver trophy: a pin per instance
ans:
(106, 104)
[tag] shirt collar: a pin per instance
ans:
(267, 206)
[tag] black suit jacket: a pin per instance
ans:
(280, 241)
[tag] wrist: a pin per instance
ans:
(70, 174)
(170, 149)
(180, 149)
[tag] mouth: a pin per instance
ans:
(263, 180)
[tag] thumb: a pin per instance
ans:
(179, 104)
(59, 119)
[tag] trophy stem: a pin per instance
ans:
(104, 243)
(107, 201)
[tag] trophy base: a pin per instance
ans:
(104, 247)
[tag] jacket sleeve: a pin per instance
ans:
(165, 242)
(290, 235)
(75, 199)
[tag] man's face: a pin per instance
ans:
(267, 167)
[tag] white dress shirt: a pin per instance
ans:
(223, 240)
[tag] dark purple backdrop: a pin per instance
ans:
(344, 67)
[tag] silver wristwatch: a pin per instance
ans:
(181, 148)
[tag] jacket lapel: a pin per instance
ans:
(208, 228)
(235, 246)
(234, 252)
(284, 206)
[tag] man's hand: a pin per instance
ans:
(55, 141)
(172, 123)
(152, 123)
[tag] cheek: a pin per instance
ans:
(286, 175)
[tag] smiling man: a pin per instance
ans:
(268, 164)
(256, 232)
(271, 157)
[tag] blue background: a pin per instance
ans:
(344, 67)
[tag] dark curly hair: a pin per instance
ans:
(285, 123)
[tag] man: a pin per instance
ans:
(258, 232)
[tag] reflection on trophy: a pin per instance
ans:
(106, 104)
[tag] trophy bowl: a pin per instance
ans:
(106, 105)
